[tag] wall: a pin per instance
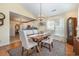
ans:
(78, 24)
(12, 27)
(5, 29)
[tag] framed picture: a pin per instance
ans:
(1, 22)
(2, 17)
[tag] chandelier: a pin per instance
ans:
(40, 16)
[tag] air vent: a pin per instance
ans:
(53, 10)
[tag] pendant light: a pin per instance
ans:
(40, 17)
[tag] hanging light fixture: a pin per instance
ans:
(40, 17)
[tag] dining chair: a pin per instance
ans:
(48, 41)
(26, 44)
(35, 31)
(29, 32)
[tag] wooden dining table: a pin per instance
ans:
(38, 38)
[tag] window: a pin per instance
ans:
(56, 25)
(50, 25)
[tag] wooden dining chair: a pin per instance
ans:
(26, 44)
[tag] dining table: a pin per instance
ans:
(38, 38)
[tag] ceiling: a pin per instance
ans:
(49, 9)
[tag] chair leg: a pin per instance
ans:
(22, 50)
(41, 44)
(37, 49)
(27, 52)
(52, 44)
(49, 47)
(9, 52)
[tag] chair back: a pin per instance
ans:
(35, 31)
(29, 32)
(24, 38)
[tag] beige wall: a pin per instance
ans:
(5, 29)
(78, 24)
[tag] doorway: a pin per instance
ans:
(17, 28)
